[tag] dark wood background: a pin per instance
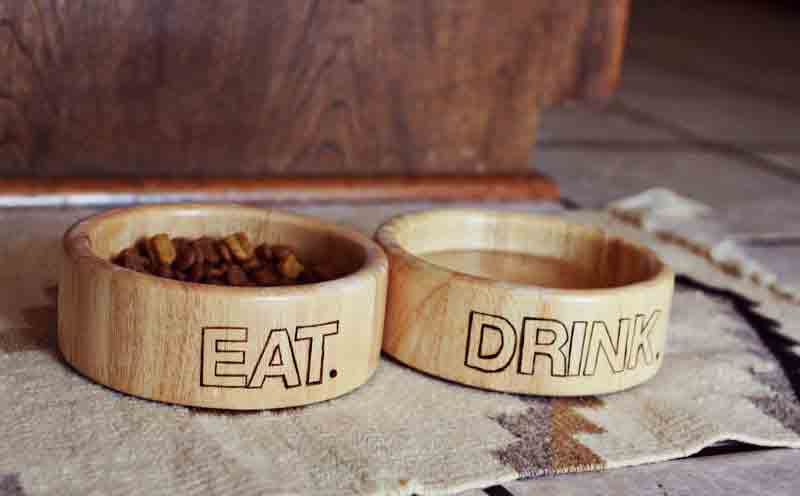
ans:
(247, 88)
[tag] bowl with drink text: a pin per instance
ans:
(523, 303)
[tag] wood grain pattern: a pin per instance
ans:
(216, 346)
(251, 88)
(601, 57)
(56, 192)
(471, 328)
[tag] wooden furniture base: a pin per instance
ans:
(255, 88)
(57, 192)
(215, 346)
(523, 303)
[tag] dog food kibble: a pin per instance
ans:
(224, 252)
(232, 261)
(289, 267)
(266, 276)
(162, 249)
(239, 246)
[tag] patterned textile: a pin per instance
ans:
(731, 373)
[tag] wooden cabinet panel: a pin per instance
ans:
(247, 88)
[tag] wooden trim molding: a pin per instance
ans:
(99, 192)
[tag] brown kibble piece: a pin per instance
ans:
(281, 251)
(235, 249)
(165, 271)
(186, 257)
(142, 247)
(147, 247)
(244, 240)
(199, 254)
(197, 272)
(131, 259)
(308, 277)
(162, 250)
(216, 272)
(224, 252)
(230, 260)
(239, 246)
(252, 264)
(210, 255)
(236, 276)
(179, 243)
(264, 252)
(266, 276)
(290, 267)
(120, 258)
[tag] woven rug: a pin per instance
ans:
(731, 373)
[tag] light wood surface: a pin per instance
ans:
(214, 346)
(254, 88)
(453, 317)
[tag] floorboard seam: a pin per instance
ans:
(740, 155)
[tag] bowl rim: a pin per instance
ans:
(387, 236)
(77, 244)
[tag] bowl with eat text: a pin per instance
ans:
(215, 346)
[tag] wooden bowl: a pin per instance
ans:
(216, 346)
(523, 303)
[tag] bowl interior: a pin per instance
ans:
(531, 250)
(314, 241)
